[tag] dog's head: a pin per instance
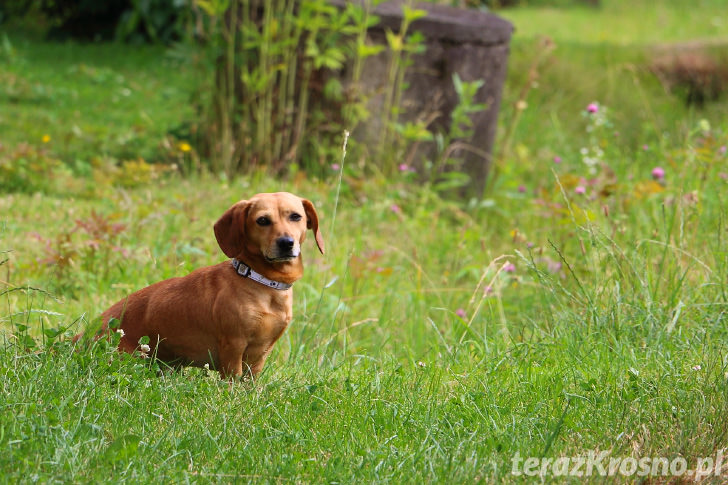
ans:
(268, 227)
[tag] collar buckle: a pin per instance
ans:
(247, 272)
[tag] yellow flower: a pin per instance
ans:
(46, 138)
(184, 146)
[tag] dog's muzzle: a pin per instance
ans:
(285, 249)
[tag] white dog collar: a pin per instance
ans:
(247, 272)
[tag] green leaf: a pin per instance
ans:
(457, 84)
(452, 180)
(412, 14)
(213, 8)
(365, 50)
(334, 90)
(26, 341)
(394, 40)
(414, 131)
(52, 333)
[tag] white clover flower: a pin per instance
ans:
(121, 333)
(144, 348)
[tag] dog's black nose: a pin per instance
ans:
(285, 243)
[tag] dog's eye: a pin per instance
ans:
(263, 221)
(295, 217)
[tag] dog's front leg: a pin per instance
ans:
(255, 357)
(231, 357)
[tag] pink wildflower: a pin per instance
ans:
(580, 189)
(521, 188)
(395, 208)
(403, 167)
(658, 173)
(557, 159)
(124, 252)
(335, 167)
(460, 312)
(509, 268)
(592, 108)
(553, 266)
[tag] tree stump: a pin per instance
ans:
(471, 43)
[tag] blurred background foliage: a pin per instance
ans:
(90, 20)
(261, 96)
(166, 20)
(641, 58)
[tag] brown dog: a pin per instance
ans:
(227, 315)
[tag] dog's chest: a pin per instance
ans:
(271, 328)
(268, 322)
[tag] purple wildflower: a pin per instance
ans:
(553, 266)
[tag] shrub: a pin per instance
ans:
(126, 20)
(30, 169)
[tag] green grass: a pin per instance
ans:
(92, 101)
(602, 55)
(624, 22)
(434, 341)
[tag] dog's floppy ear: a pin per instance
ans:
(230, 229)
(312, 223)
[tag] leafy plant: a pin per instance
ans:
(453, 143)
(90, 246)
(27, 168)
(402, 46)
(271, 57)
(265, 56)
(154, 21)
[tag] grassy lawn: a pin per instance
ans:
(578, 309)
(92, 101)
(622, 22)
